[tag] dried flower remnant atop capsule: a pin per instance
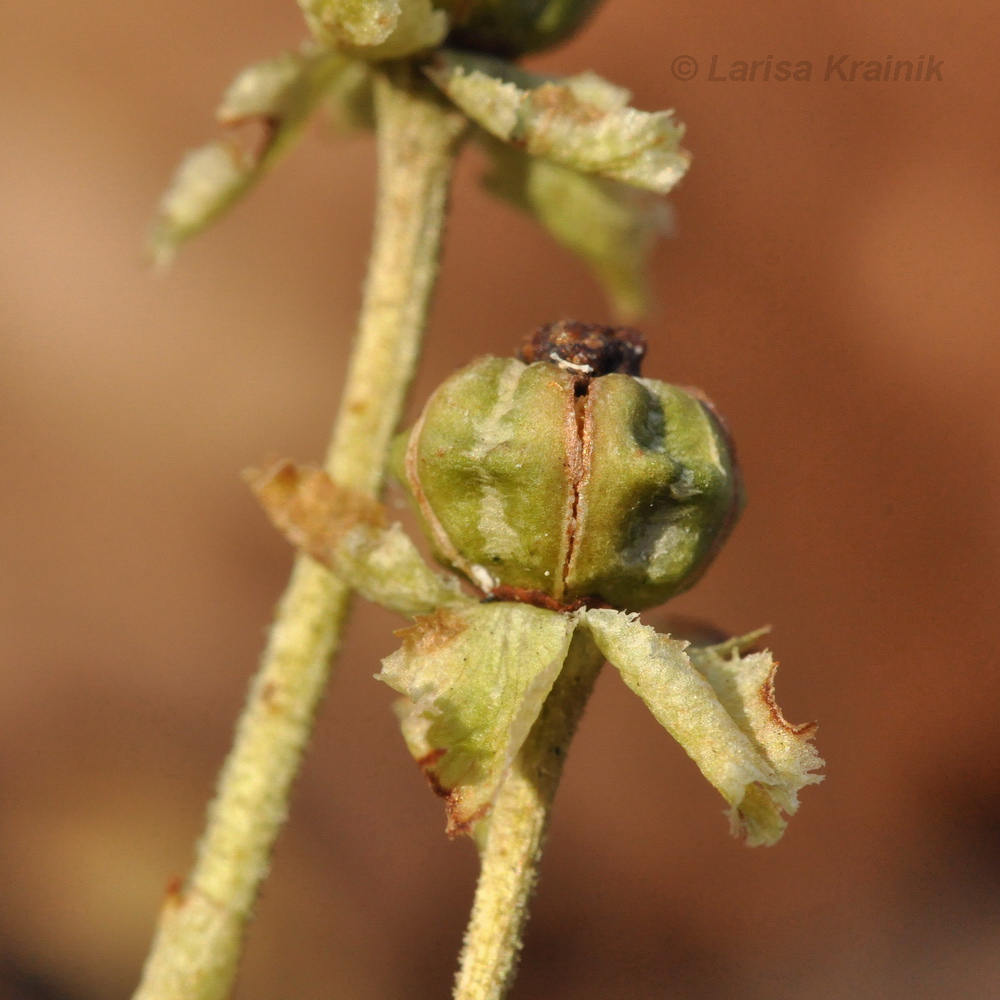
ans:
(586, 350)
(571, 491)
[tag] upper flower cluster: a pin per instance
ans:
(571, 151)
(394, 28)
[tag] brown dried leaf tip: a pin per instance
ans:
(309, 509)
(587, 350)
(431, 633)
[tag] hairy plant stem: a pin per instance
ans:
(512, 839)
(198, 942)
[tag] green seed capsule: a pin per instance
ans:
(512, 27)
(570, 479)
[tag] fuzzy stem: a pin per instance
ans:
(198, 942)
(515, 832)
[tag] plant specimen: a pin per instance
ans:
(564, 489)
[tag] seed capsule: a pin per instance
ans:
(565, 478)
(512, 27)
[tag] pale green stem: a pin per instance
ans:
(198, 942)
(515, 832)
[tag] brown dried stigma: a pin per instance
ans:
(586, 350)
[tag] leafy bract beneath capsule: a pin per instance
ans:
(474, 680)
(475, 675)
(609, 489)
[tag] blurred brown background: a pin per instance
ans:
(833, 287)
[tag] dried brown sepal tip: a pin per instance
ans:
(310, 510)
(587, 350)
(347, 532)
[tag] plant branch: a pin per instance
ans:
(198, 942)
(511, 845)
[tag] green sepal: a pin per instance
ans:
(723, 714)
(657, 669)
(611, 226)
(281, 93)
(474, 680)
(744, 686)
(582, 122)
